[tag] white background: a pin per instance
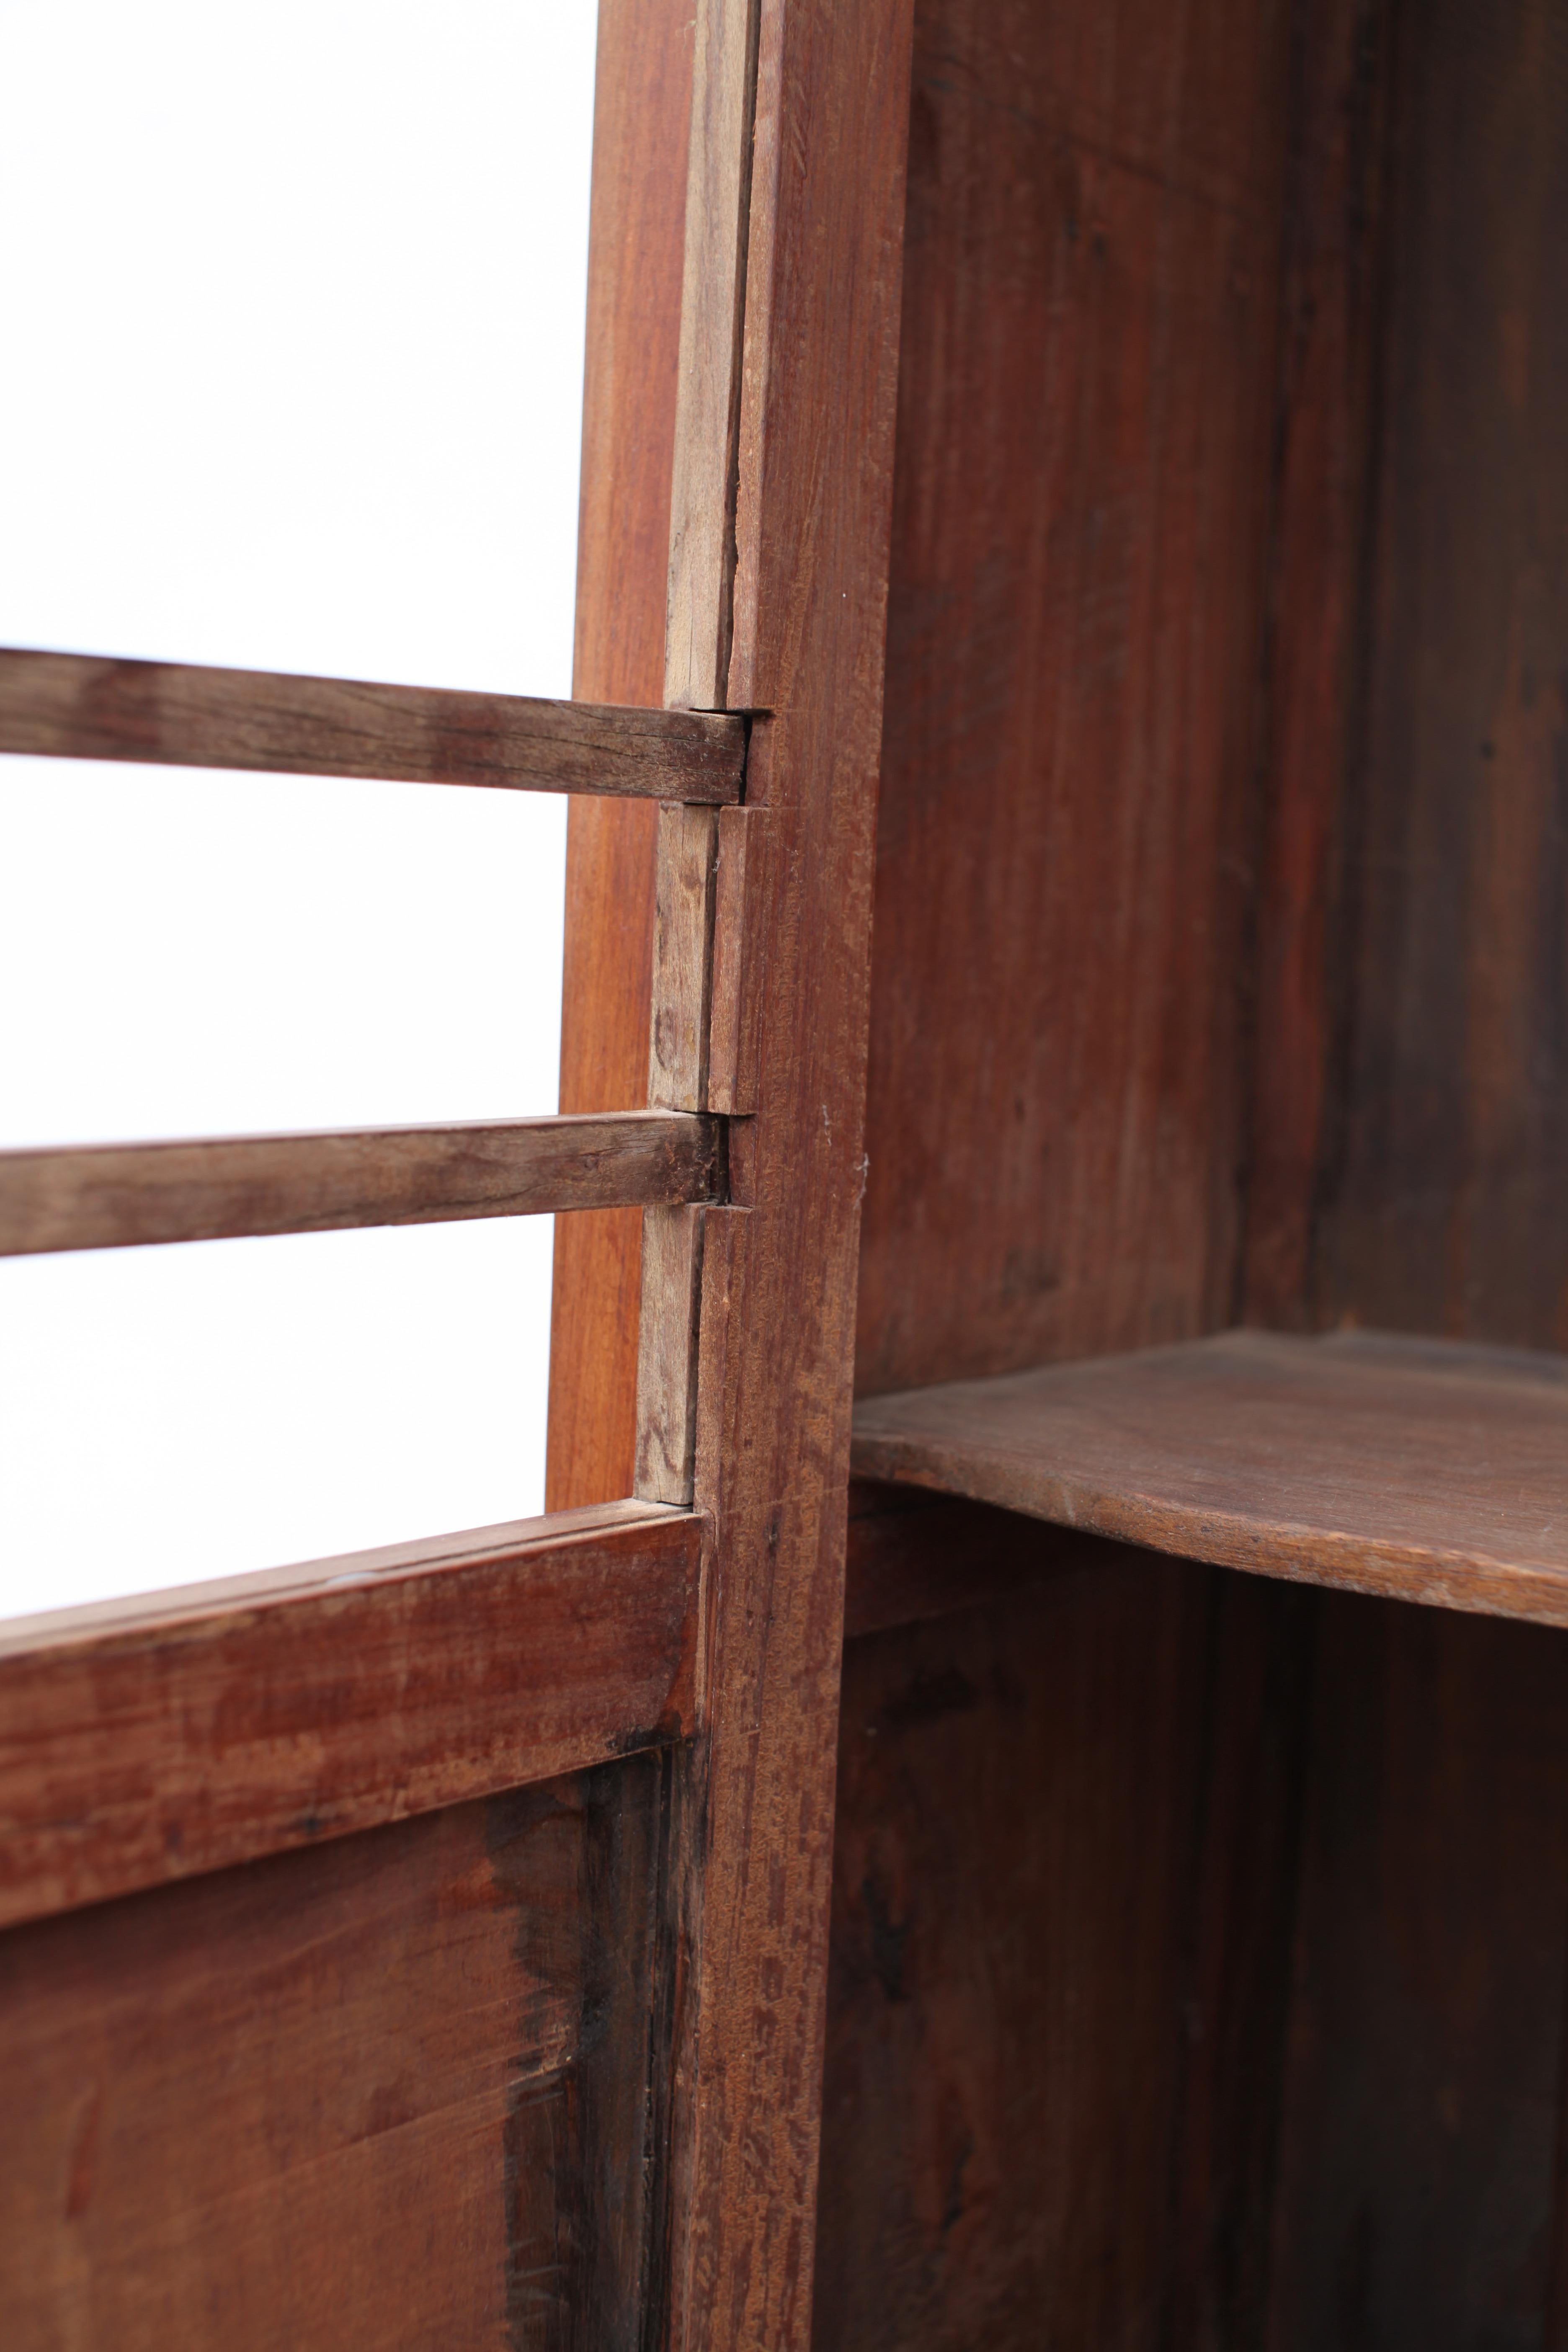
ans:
(291, 379)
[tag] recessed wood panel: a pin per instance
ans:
(1073, 659)
(389, 2094)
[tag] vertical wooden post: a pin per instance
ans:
(816, 404)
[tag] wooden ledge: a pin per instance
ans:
(183, 1731)
(183, 715)
(1417, 1468)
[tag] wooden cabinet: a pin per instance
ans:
(1067, 968)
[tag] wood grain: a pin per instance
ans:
(667, 1353)
(1075, 640)
(641, 104)
(395, 2092)
(188, 1730)
(119, 1196)
(175, 714)
(732, 1076)
(777, 1311)
(682, 959)
(1437, 1473)
(712, 310)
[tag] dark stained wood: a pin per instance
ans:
(1013, 1899)
(1434, 1472)
(1419, 2156)
(641, 106)
(1443, 1192)
(1075, 645)
(912, 1556)
(151, 1739)
(1315, 655)
(178, 714)
(394, 2093)
(778, 1296)
(116, 1196)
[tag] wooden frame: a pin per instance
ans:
(1130, 442)
(203, 1732)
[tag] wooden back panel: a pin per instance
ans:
(1075, 640)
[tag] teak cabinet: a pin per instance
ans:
(1068, 945)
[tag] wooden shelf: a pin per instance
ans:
(1415, 1467)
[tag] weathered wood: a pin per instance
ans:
(394, 2093)
(1075, 634)
(682, 960)
(641, 102)
(149, 1740)
(118, 1196)
(712, 309)
(178, 714)
(1434, 1472)
(737, 983)
(777, 1312)
(667, 1353)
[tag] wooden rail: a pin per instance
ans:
(119, 1196)
(177, 714)
(146, 1740)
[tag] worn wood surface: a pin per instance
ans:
(1074, 649)
(390, 2094)
(737, 984)
(177, 714)
(667, 1353)
(1443, 1189)
(1431, 1471)
(149, 1740)
(641, 104)
(778, 1310)
(712, 309)
(116, 1196)
(682, 959)
(1418, 2195)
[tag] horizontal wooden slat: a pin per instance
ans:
(1416, 1468)
(149, 1740)
(177, 714)
(120, 1196)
